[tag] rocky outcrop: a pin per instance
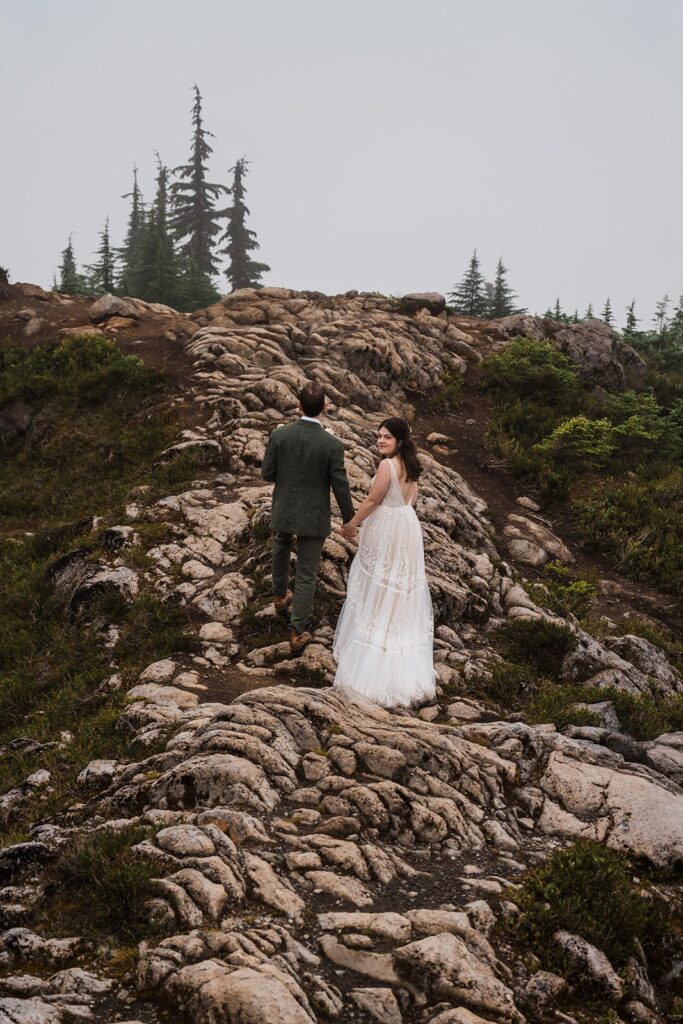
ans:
(317, 858)
(590, 344)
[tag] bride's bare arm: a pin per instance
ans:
(376, 493)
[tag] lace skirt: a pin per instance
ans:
(384, 642)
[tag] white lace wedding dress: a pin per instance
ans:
(385, 635)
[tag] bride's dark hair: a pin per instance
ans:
(407, 452)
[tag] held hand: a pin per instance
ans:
(349, 532)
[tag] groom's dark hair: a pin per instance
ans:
(312, 398)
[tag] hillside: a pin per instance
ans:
(195, 825)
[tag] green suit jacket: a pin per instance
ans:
(305, 461)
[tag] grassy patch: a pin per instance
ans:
(262, 632)
(98, 886)
(99, 421)
(96, 432)
(588, 890)
(57, 685)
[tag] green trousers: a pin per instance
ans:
(308, 550)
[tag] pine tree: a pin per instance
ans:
(160, 277)
(575, 316)
(607, 315)
(469, 297)
(675, 326)
(502, 298)
(631, 319)
(661, 310)
(557, 311)
(589, 312)
(102, 274)
(70, 281)
(194, 218)
(242, 270)
(131, 252)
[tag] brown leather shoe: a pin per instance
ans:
(283, 603)
(297, 641)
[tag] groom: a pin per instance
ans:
(304, 461)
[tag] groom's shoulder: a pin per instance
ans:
(282, 430)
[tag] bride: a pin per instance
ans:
(384, 639)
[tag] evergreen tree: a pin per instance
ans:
(661, 310)
(70, 281)
(131, 252)
(607, 314)
(194, 218)
(589, 312)
(631, 319)
(502, 298)
(575, 316)
(160, 277)
(675, 326)
(242, 270)
(557, 311)
(469, 297)
(102, 273)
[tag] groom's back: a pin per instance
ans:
(304, 461)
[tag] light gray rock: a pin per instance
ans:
(388, 925)
(532, 543)
(113, 305)
(649, 659)
(443, 967)
(595, 966)
(29, 1011)
(380, 1004)
(433, 302)
(543, 989)
(213, 993)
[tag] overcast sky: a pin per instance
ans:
(388, 138)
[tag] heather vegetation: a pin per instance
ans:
(97, 427)
(614, 458)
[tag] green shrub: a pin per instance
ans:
(541, 644)
(557, 704)
(638, 525)
(529, 369)
(561, 594)
(580, 443)
(98, 888)
(588, 890)
(446, 395)
(646, 717)
(509, 684)
(88, 367)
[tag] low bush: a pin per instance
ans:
(646, 717)
(580, 443)
(549, 702)
(589, 891)
(527, 368)
(538, 643)
(446, 395)
(562, 594)
(638, 525)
